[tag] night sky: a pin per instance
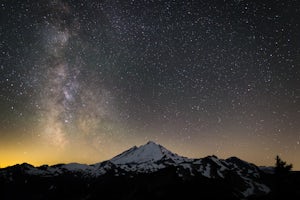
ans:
(81, 81)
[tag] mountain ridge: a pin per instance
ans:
(150, 159)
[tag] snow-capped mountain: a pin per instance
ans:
(148, 153)
(152, 159)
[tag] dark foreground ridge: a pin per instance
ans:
(149, 172)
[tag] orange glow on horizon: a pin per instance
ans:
(38, 154)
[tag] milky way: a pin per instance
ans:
(81, 81)
(68, 105)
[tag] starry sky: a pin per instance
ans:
(81, 81)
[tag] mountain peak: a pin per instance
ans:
(150, 142)
(149, 152)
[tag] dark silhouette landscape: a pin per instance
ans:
(151, 172)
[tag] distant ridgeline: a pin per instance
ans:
(149, 172)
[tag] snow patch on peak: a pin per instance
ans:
(150, 152)
(144, 153)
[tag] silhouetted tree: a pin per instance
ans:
(282, 183)
(281, 168)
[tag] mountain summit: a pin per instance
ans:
(150, 152)
(145, 166)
